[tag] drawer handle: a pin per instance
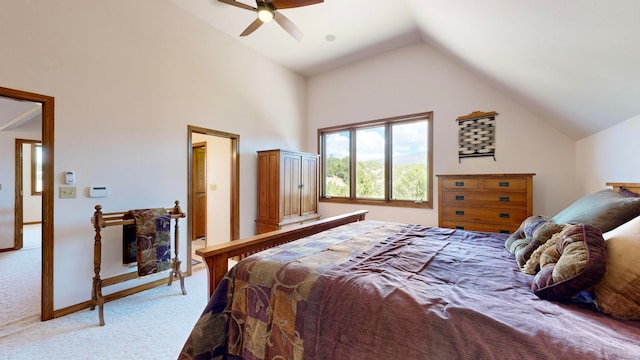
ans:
(459, 183)
(504, 198)
(459, 197)
(459, 212)
(504, 215)
(459, 227)
(503, 183)
(502, 231)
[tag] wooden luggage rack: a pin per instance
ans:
(101, 220)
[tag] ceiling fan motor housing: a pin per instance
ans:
(266, 10)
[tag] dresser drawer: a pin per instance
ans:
(460, 183)
(493, 215)
(472, 226)
(504, 184)
(486, 198)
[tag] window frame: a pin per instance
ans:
(388, 165)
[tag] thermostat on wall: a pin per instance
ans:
(99, 191)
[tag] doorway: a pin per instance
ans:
(214, 162)
(47, 102)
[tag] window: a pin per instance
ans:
(381, 162)
(36, 169)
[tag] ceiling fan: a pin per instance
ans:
(267, 10)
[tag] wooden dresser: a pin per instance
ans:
(287, 189)
(484, 202)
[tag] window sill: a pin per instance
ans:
(394, 203)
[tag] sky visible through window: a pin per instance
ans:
(409, 140)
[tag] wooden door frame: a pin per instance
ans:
(46, 306)
(234, 201)
(18, 216)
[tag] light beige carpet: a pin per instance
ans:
(153, 324)
(20, 273)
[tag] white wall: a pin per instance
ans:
(418, 78)
(128, 77)
(610, 155)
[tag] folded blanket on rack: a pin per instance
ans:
(153, 240)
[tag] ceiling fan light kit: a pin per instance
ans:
(267, 10)
(265, 13)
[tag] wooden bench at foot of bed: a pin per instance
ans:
(217, 257)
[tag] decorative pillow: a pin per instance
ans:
(627, 193)
(606, 209)
(532, 266)
(533, 232)
(618, 294)
(576, 263)
(540, 236)
(520, 238)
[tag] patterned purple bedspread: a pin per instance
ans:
(374, 290)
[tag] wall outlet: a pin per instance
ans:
(67, 192)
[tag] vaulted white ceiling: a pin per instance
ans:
(574, 63)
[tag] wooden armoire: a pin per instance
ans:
(287, 189)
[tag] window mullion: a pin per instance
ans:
(388, 161)
(352, 163)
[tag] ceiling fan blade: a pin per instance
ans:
(287, 4)
(252, 27)
(288, 25)
(238, 4)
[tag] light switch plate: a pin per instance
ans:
(67, 192)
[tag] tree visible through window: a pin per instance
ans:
(385, 162)
(336, 164)
(370, 163)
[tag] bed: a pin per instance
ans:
(350, 288)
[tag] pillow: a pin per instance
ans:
(577, 262)
(519, 238)
(532, 233)
(606, 209)
(540, 236)
(627, 193)
(532, 266)
(618, 294)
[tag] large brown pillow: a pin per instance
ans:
(618, 294)
(576, 263)
(606, 209)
